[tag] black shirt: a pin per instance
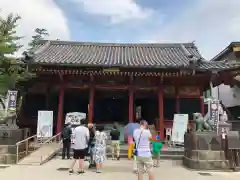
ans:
(91, 135)
(66, 134)
(115, 134)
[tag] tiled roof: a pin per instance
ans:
(219, 57)
(122, 55)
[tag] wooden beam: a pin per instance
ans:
(236, 49)
(73, 86)
(112, 87)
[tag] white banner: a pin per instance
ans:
(180, 123)
(74, 118)
(45, 124)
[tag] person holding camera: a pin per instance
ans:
(142, 138)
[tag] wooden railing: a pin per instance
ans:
(22, 147)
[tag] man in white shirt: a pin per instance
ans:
(142, 137)
(80, 141)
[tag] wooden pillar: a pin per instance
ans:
(177, 100)
(160, 111)
(60, 109)
(131, 105)
(91, 104)
(202, 105)
(47, 98)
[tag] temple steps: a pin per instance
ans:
(166, 153)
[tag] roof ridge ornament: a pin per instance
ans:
(194, 61)
(28, 56)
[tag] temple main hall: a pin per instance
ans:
(113, 82)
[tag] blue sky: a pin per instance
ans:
(211, 24)
(87, 26)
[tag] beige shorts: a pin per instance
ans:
(144, 163)
(115, 145)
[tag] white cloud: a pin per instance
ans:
(116, 10)
(37, 14)
(213, 24)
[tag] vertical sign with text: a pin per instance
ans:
(11, 101)
(214, 114)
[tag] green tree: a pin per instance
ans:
(12, 70)
(40, 34)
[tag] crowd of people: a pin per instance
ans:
(90, 141)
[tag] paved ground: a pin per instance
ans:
(116, 170)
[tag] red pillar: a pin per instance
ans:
(60, 110)
(160, 111)
(130, 106)
(91, 105)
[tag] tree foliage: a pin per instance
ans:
(12, 70)
(40, 34)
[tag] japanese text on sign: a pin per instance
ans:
(74, 118)
(214, 114)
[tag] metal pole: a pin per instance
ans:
(17, 151)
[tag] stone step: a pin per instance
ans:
(205, 164)
(164, 152)
(125, 156)
(237, 169)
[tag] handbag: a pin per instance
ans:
(135, 151)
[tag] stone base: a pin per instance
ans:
(205, 164)
(206, 155)
(7, 158)
(203, 151)
(10, 136)
(11, 149)
(8, 153)
(202, 141)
